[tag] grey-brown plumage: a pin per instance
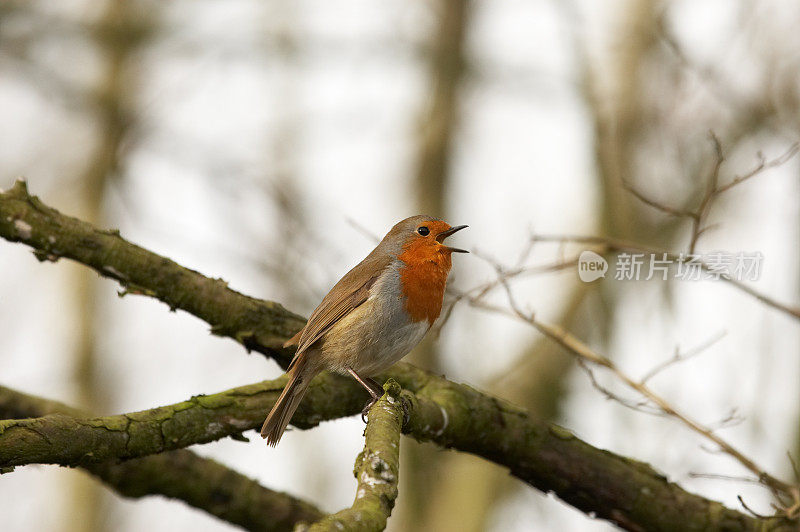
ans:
(360, 327)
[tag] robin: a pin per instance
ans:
(373, 316)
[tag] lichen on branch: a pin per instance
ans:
(183, 475)
(75, 441)
(546, 456)
(256, 324)
(377, 469)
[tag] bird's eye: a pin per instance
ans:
(424, 231)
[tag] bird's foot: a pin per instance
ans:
(375, 391)
(365, 410)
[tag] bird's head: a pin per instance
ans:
(423, 234)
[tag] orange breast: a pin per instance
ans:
(423, 278)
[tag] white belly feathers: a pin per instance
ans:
(370, 346)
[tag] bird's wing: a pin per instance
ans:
(350, 292)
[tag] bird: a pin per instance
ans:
(372, 317)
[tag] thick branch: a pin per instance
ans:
(546, 456)
(624, 491)
(377, 469)
(209, 486)
(256, 324)
(71, 441)
(183, 475)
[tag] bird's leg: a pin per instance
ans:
(375, 385)
(375, 391)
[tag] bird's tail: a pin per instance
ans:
(282, 412)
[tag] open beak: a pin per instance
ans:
(444, 234)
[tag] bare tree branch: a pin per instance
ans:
(699, 215)
(377, 469)
(259, 325)
(782, 490)
(199, 482)
(612, 244)
(74, 441)
(546, 456)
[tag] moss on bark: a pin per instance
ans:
(182, 475)
(256, 324)
(377, 469)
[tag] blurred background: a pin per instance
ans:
(270, 142)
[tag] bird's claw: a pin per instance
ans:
(365, 410)
(406, 412)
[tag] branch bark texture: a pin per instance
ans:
(257, 324)
(377, 469)
(199, 482)
(546, 456)
(550, 458)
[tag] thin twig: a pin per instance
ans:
(763, 165)
(719, 476)
(613, 244)
(750, 510)
(639, 406)
(713, 190)
(779, 488)
(679, 357)
(579, 349)
(480, 291)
